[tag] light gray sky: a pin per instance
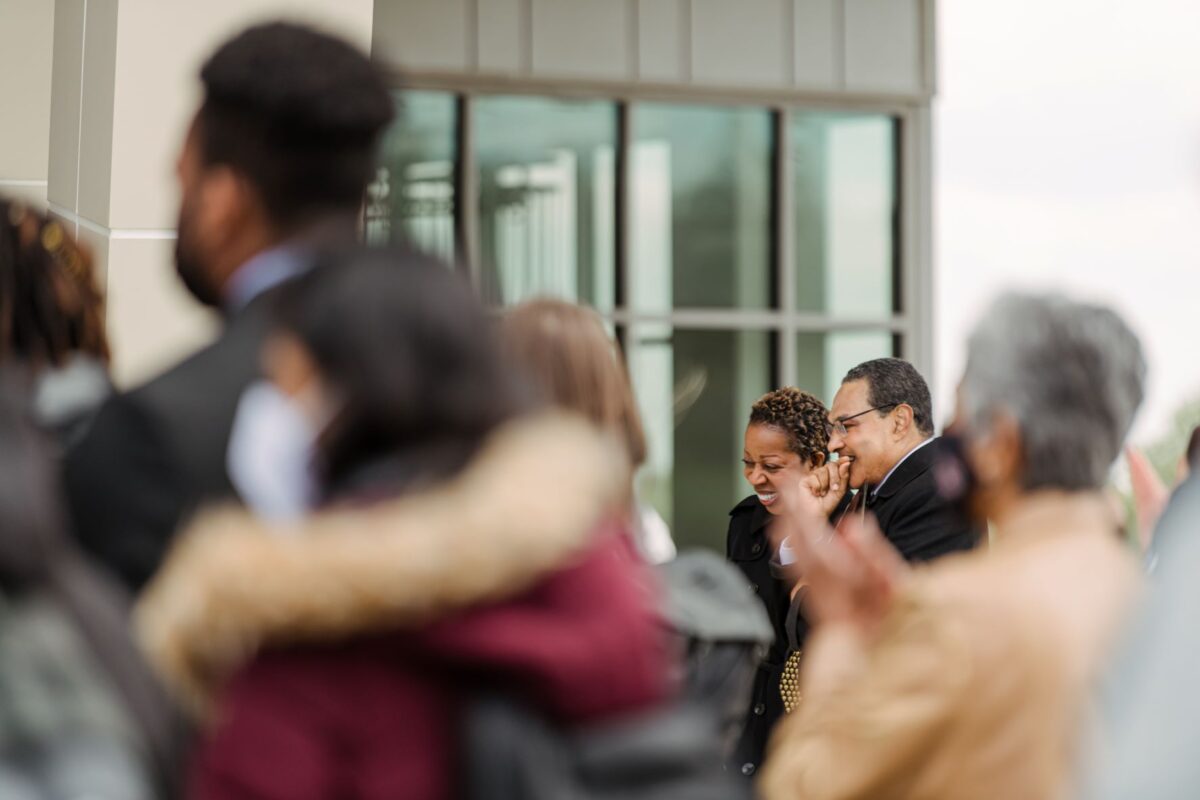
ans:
(1067, 147)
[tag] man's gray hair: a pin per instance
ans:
(1070, 373)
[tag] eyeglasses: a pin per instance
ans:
(840, 425)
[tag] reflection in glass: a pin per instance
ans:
(412, 196)
(700, 195)
(694, 391)
(823, 359)
(547, 202)
(844, 179)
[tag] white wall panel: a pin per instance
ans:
(65, 89)
(502, 40)
(582, 38)
(742, 43)
(421, 34)
(26, 54)
(96, 125)
(817, 43)
(883, 45)
(661, 40)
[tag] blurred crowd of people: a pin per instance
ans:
(377, 541)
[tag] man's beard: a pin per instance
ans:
(192, 272)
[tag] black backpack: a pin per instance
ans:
(677, 752)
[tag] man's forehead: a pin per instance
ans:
(848, 399)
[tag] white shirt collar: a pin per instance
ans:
(875, 490)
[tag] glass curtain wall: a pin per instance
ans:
(412, 198)
(547, 202)
(693, 283)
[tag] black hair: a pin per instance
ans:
(892, 381)
(297, 112)
(411, 356)
(802, 418)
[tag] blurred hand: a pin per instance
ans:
(852, 576)
(828, 484)
(1150, 494)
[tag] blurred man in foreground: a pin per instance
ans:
(275, 162)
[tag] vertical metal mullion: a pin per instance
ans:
(622, 217)
(784, 237)
(900, 209)
(466, 193)
(902, 263)
(915, 267)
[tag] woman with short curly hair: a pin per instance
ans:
(786, 438)
(52, 320)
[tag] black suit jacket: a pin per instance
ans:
(912, 514)
(153, 455)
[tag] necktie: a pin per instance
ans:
(858, 507)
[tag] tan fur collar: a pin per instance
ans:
(523, 508)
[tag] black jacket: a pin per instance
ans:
(748, 547)
(914, 517)
(153, 455)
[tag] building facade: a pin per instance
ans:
(741, 189)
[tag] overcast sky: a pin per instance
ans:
(1067, 147)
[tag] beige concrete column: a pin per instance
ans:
(26, 43)
(124, 87)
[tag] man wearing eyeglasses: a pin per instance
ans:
(881, 428)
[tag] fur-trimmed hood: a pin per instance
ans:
(527, 504)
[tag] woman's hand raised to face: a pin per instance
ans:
(852, 574)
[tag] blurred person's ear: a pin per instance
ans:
(996, 454)
(230, 208)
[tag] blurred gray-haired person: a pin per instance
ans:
(968, 677)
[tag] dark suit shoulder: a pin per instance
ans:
(194, 403)
(917, 465)
(230, 360)
(914, 516)
(124, 490)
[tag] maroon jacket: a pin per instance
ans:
(378, 716)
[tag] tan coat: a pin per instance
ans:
(977, 685)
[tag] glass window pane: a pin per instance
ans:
(412, 197)
(700, 191)
(844, 179)
(823, 359)
(547, 198)
(694, 391)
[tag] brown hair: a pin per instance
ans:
(800, 416)
(50, 305)
(569, 356)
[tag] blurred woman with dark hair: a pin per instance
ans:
(52, 318)
(464, 551)
(565, 351)
(83, 715)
